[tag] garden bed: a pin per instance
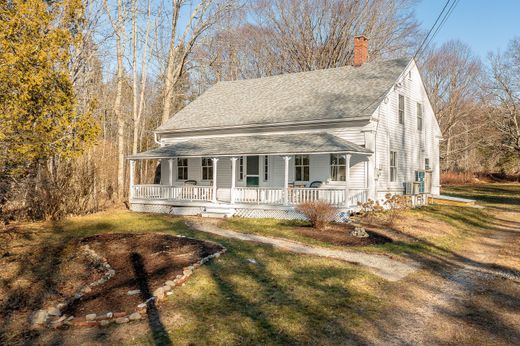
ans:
(119, 274)
(337, 234)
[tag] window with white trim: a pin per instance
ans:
(427, 164)
(419, 116)
(301, 167)
(393, 166)
(182, 169)
(241, 168)
(266, 168)
(401, 109)
(207, 168)
(338, 167)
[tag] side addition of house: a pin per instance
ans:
(260, 147)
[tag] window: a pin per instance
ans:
(301, 166)
(241, 168)
(266, 168)
(207, 168)
(182, 169)
(419, 116)
(427, 164)
(393, 166)
(338, 167)
(401, 109)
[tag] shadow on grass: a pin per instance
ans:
(159, 333)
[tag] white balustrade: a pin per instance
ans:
(300, 195)
(259, 195)
(179, 193)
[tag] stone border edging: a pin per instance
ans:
(53, 318)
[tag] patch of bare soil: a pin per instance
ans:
(340, 235)
(154, 257)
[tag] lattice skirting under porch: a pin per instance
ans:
(279, 214)
(165, 209)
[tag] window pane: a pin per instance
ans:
(306, 173)
(306, 160)
(298, 173)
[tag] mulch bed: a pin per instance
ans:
(139, 260)
(340, 235)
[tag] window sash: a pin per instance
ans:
(266, 168)
(241, 168)
(301, 167)
(338, 167)
(182, 169)
(393, 166)
(419, 117)
(427, 164)
(207, 168)
(401, 109)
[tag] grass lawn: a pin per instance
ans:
(283, 299)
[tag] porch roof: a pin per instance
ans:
(279, 144)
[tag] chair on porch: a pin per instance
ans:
(316, 184)
(190, 182)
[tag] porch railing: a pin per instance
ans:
(304, 194)
(180, 193)
(252, 195)
(259, 195)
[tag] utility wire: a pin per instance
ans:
(431, 29)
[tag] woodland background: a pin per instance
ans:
(84, 83)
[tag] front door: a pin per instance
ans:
(252, 171)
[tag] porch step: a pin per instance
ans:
(218, 212)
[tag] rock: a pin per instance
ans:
(135, 316)
(70, 318)
(39, 317)
(53, 311)
(169, 293)
(90, 317)
(121, 320)
(110, 315)
(359, 232)
(167, 288)
(87, 289)
(111, 272)
(84, 323)
(119, 314)
(61, 306)
(170, 283)
(105, 323)
(196, 265)
(187, 271)
(141, 306)
(159, 293)
(133, 292)
(178, 277)
(251, 260)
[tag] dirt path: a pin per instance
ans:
(467, 300)
(383, 266)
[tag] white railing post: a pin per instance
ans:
(286, 180)
(233, 178)
(215, 160)
(347, 179)
(132, 183)
(170, 180)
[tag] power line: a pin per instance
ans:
(431, 29)
(443, 21)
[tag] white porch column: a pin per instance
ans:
(347, 179)
(132, 182)
(233, 178)
(215, 160)
(170, 166)
(286, 180)
(370, 143)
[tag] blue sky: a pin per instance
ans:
(485, 25)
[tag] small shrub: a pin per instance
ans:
(368, 209)
(395, 204)
(319, 213)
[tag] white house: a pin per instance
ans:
(259, 147)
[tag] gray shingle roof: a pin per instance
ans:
(305, 143)
(336, 93)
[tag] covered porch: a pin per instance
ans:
(261, 170)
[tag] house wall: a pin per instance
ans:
(319, 170)
(412, 145)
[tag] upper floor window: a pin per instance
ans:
(427, 164)
(301, 167)
(393, 166)
(266, 168)
(419, 116)
(207, 168)
(182, 169)
(401, 109)
(338, 167)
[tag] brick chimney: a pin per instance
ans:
(360, 50)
